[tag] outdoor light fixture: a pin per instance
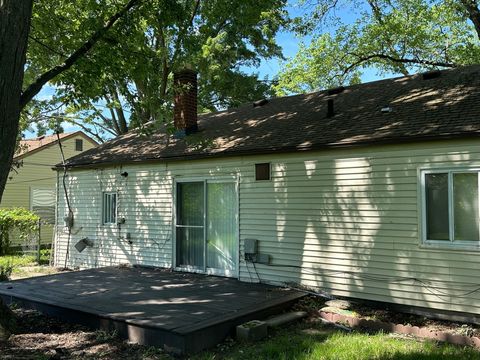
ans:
(124, 174)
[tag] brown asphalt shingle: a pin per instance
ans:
(444, 107)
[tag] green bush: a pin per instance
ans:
(22, 220)
(6, 271)
(45, 256)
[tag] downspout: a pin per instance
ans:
(70, 218)
(53, 254)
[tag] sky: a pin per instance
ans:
(268, 68)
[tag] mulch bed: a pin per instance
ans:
(41, 337)
(366, 318)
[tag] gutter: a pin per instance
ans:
(274, 150)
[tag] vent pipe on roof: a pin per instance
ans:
(337, 90)
(185, 101)
(260, 102)
(330, 109)
(431, 74)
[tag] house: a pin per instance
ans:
(368, 191)
(32, 185)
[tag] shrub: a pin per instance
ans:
(5, 271)
(22, 220)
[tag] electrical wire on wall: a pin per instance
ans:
(427, 285)
(70, 217)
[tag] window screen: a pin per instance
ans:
(109, 213)
(262, 171)
(452, 212)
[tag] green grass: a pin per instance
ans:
(17, 260)
(315, 343)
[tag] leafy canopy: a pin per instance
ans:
(126, 80)
(390, 36)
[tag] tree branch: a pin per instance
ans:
(122, 122)
(362, 59)
(87, 130)
(377, 13)
(34, 88)
(473, 13)
(176, 47)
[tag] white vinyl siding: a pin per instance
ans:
(347, 222)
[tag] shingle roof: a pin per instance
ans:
(446, 106)
(28, 145)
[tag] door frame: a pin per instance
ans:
(206, 179)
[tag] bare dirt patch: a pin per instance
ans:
(24, 272)
(41, 337)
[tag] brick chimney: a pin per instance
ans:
(185, 102)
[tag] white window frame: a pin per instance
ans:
(451, 243)
(104, 195)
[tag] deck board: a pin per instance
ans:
(178, 311)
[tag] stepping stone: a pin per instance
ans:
(339, 304)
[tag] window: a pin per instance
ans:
(43, 204)
(78, 145)
(109, 212)
(451, 207)
(262, 171)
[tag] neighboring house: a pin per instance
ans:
(369, 191)
(33, 184)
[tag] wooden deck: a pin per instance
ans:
(183, 313)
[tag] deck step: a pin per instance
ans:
(285, 318)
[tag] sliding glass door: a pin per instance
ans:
(206, 227)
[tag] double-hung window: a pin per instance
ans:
(109, 208)
(450, 205)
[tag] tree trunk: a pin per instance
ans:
(14, 26)
(7, 321)
(473, 13)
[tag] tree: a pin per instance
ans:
(390, 36)
(127, 82)
(14, 27)
(15, 21)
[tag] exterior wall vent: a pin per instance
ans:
(262, 171)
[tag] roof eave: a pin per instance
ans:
(291, 149)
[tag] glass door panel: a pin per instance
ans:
(190, 217)
(221, 227)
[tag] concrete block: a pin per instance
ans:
(252, 331)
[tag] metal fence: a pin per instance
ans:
(30, 244)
